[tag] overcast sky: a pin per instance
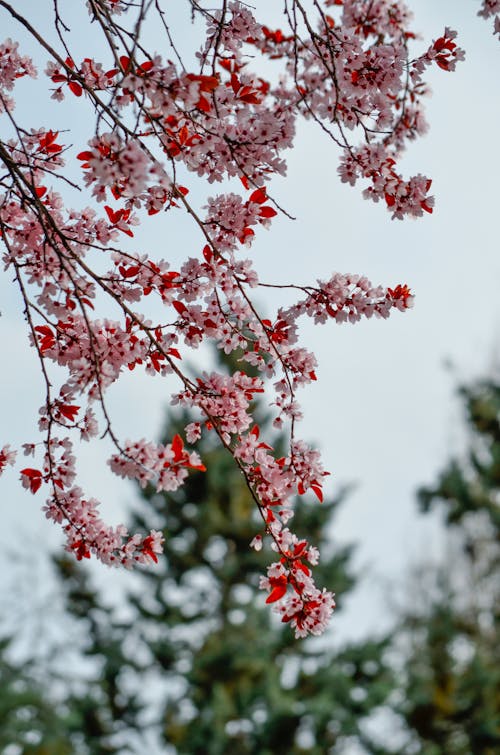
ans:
(383, 409)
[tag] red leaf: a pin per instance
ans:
(75, 88)
(69, 411)
(276, 594)
(178, 447)
(131, 272)
(267, 212)
(259, 196)
(112, 215)
(319, 492)
(44, 330)
(179, 307)
(203, 105)
(35, 478)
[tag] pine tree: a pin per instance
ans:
(222, 676)
(451, 689)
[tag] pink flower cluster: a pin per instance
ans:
(12, 67)
(151, 120)
(491, 8)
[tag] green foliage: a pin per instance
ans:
(27, 716)
(452, 682)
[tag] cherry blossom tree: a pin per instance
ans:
(356, 69)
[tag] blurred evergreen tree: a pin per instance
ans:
(450, 696)
(27, 717)
(222, 674)
(200, 664)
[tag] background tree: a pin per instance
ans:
(28, 718)
(199, 663)
(451, 688)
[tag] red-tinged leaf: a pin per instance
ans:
(197, 467)
(76, 88)
(267, 212)
(207, 253)
(266, 446)
(146, 66)
(177, 447)
(111, 73)
(203, 105)
(87, 302)
(426, 207)
(40, 191)
(259, 196)
(112, 215)
(127, 231)
(390, 199)
(255, 431)
(300, 488)
(182, 190)
(312, 375)
(244, 181)
(235, 83)
(125, 62)
(59, 483)
(69, 411)
(35, 478)
(245, 233)
(58, 78)
(174, 353)
(302, 567)
(28, 472)
(131, 272)
(250, 98)
(276, 594)
(299, 549)
(86, 155)
(81, 550)
(179, 307)
(44, 330)
(319, 492)
(209, 323)
(183, 134)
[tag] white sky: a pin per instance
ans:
(383, 410)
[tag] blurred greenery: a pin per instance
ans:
(195, 663)
(450, 692)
